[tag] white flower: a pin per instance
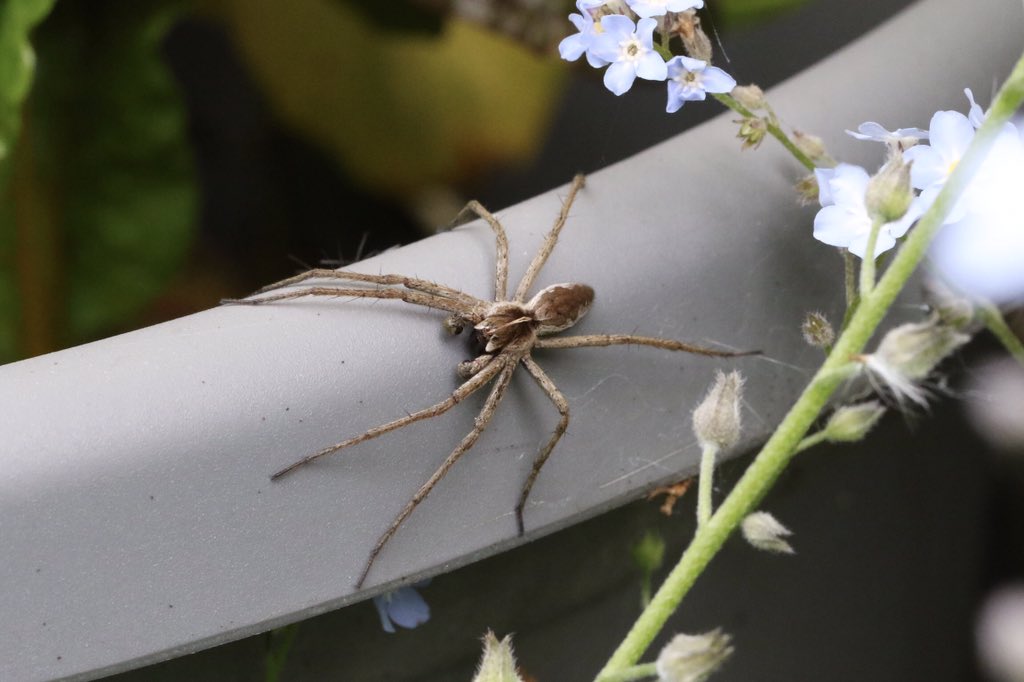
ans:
(629, 48)
(901, 138)
(657, 8)
(690, 79)
(844, 220)
(980, 250)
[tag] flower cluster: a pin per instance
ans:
(619, 35)
(981, 247)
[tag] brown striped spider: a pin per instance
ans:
(508, 329)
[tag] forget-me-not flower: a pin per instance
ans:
(657, 8)
(844, 219)
(404, 606)
(902, 137)
(690, 80)
(629, 50)
(579, 43)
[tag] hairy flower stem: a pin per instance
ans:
(782, 445)
(995, 323)
(636, 672)
(850, 282)
(705, 484)
(773, 128)
(867, 266)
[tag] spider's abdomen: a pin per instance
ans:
(560, 306)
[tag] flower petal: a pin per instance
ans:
(717, 81)
(619, 77)
(652, 67)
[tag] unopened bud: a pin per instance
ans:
(811, 145)
(649, 553)
(817, 330)
(716, 421)
(497, 663)
(750, 96)
(752, 132)
(693, 658)
(955, 310)
(908, 354)
(851, 423)
(807, 190)
(915, 349)
(889, 194)
(763, 531)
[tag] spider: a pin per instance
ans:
(509, 329)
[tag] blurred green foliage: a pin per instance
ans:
(745, 12)
(398, 109)
(99, 198)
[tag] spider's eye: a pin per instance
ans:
(453, 324)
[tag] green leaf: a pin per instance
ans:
(17, 62)
(744, 12)
(17, 66)
(102, 185)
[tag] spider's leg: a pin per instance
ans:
(501, 255)
(482, 420)
(563, 423)
(631, 340)
(549, 242)
(457, 396)
(408, 282)
(415, 297)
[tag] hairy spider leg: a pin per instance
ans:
(563, 423)
(417, 297)
(549, 241)
(475, 383)
(592, 340)
(408, 282)
(506, 365)
(501, 246)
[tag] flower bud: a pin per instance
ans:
(764, 532)
(750, 96)
(752, 132)
(693, 658)
(649, 553)
(807, 190)
(811, 145)
(851, 423)
(497, 664)
(953, 309)
(817, 330)
(716, 421)
(915, 349)
(889, 194)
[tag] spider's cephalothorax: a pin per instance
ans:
(509, 329)
(516, 326)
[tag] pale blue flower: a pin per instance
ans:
(844, 220)
(949, 133)
(657, 8)
(905, 137)
(690, 80)
(579, 43)
(404, 607)
(976, 115)
(629, 49)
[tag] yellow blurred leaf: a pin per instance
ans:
(398, 109)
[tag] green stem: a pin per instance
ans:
(773, 129)
(867, 265)
(782, 444)
(705, 484)
(636, 672)
(811, 440)
(281, 641)
(850, 282)
(996, 323)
